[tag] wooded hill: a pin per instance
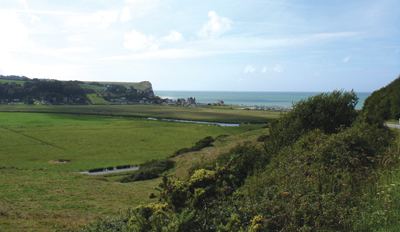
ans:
(20, 89)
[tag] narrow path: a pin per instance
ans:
(105, 172)
(33, 138)
(392, 125)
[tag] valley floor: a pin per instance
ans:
(42, 154)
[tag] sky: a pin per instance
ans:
(218, 45)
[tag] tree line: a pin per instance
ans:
(44, 92)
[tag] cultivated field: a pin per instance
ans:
(39, 193)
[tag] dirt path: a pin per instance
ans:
(392, 125)
(105, 172)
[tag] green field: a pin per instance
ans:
(219, 114)
(2, 81)
(39, 194)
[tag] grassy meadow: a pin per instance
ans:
(214, 114)
(37, 193)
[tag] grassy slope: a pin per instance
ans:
(221, 114)
(185, 162)
(96, 99)
(3, 81)
(144, 85)
(38, 195)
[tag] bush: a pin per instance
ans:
(123, 166)
(149, 170)
(383, 104)
(96, 170)
(329, 112)
(316, 184)
(202, 143)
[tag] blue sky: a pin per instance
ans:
(251, 45)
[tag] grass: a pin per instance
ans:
(144, 85)
(215, 114)
(38, 194)
(222, 145)
(3, 81)
(96, 99)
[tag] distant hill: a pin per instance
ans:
(384, 103)
(21, 89)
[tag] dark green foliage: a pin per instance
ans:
(310, 177)
(149, 170)
(241, 162)
(316, 183)
(384, 103)
(44, 91)
(14, 78)
(328, 112)
(96, 170)
(123, 166)
(202, 143)
(110, 168)
(120, 93)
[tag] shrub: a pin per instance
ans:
(149, 170)
(383, 104)
(328, 112)
(96, 170)
(316, 184)
(202, 143)
(123, 166)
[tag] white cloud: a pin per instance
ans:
(138, 41)
(138, 8)
(264, 69)
(125, 14)
(173, 37)
(76, 38)
(249, 69)
(14, 33)
(215, 26)
(278, 68)
(99, 19)
(218, 46)
(161, 54)
(346, 59)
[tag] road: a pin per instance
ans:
(392, 125)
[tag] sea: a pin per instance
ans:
(263, 99)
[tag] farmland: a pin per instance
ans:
(38, 193)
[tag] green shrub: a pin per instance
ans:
(149, 170)
(316, 184)
(328, 112)
(383, 104)
(202, 143)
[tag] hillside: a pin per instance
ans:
(384, 103)
(20, 89)
(318, 168)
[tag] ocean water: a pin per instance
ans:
(270, 99)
